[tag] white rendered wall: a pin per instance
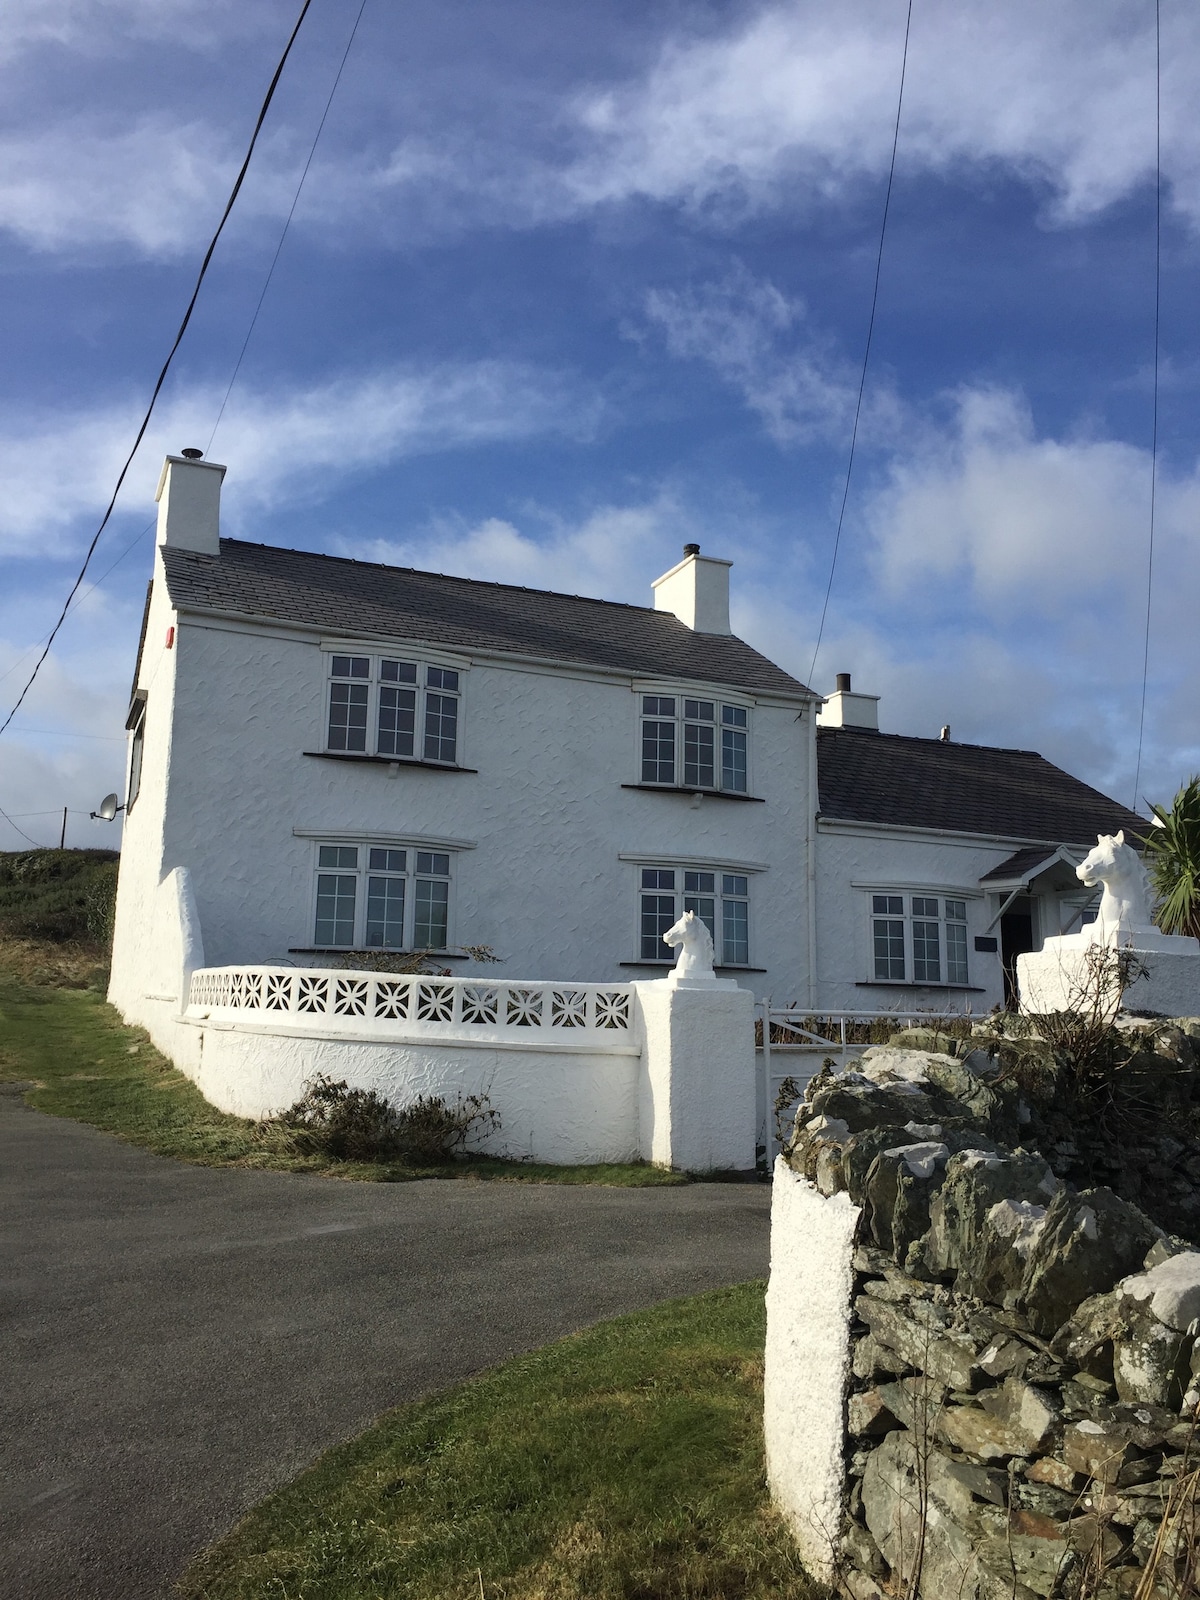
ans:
(545, 885)
(807, 1362)
(697, 1108)
(898, 861)
(556, 1106)
(144, 983)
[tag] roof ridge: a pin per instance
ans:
(453, 577)
(960, 744)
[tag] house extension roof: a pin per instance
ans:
(892, 779)
(357, 598)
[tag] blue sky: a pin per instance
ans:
(568, 287)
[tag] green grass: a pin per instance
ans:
(86, 1064)
(624, 1463)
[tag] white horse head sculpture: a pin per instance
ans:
(696, 957)
(1123, 905)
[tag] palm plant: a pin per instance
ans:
(1173, 857)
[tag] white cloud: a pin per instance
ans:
(792, 103)
(1062, 95)
(612, 553)
(1045, 523)
(279, 447)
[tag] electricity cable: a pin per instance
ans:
(862, 383)
(1154, 410)
(187, 317)
(287, 224)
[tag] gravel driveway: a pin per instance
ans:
(177, 1341)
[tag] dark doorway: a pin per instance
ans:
(1016, 938)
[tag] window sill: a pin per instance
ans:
(708, 794)
(373, 950)
(910, 983)
(717, 967)
(385, 761)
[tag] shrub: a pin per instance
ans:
(1173, 857)
(58, 895)
(342, 1124)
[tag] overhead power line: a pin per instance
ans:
(187, 317)
(862, 382)
(287, 224)
(1154, 408)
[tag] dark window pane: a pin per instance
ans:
(698, 710)
(431, 903)
(658, 914)
(700, 882)
(735, 884)
(956, 952)
(658, 705)
(699, 769)
(337, 855)
(385, 912)
(891, 905)
(735, 924)
(347, 716)
(397, 721)
(441, 726)
(433, 862)
(658, 752)
(441, 678)
(386, 860)
(733, 760)
(351, 667)
(734, 716)
(656, 878)
(927, 961)
(889, 947)
(335, 909)
(398, 671)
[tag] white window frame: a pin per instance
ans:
(681, 894)
(427, 666)
(914, 916)
(411, 873)
(680, 697)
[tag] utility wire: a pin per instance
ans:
(1154, 424)
(287, 224)
(862, 382)
(187, 317)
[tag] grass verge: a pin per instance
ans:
(624, 1463)
(84, 1063)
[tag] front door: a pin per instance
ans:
(1016, 939)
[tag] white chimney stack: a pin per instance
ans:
(696, 591)
(189, 504)
(844, 709)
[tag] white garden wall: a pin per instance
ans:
(807, 1360)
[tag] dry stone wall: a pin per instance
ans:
(1022, 1374)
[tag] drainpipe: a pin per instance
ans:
(810, 856)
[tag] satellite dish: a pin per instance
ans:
(108, 808)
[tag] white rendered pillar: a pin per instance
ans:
(697, 1108)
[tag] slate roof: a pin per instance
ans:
(1022, 864)
(959, 788)
(363, 599)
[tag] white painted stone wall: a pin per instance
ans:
(807, 1362)
(556, 1105)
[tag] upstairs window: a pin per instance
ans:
(378, 897)
(382, 706)
(720, 899)
(925, 930)
(694, 744)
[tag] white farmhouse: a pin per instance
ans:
(331, 758)
(349, 758)
(939, 863)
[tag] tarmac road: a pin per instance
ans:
(176, 1342)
